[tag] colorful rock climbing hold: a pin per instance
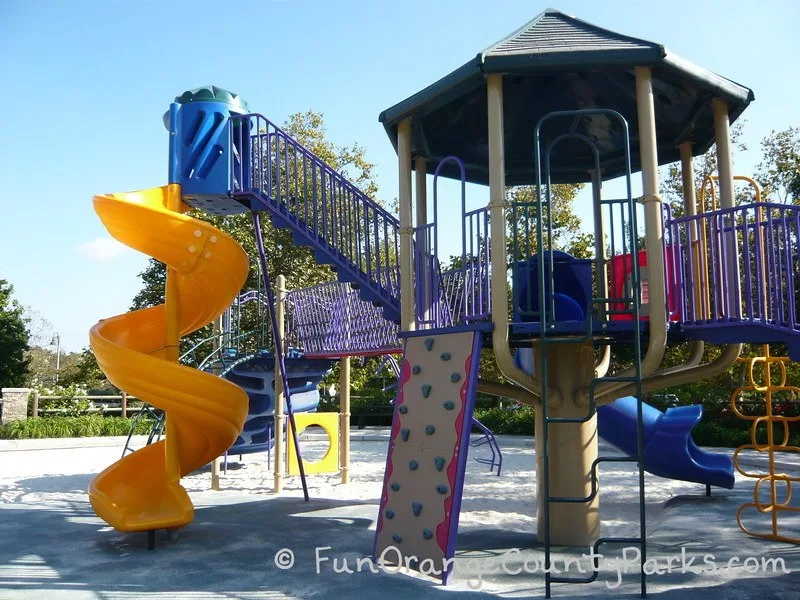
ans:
(449, 405)
(416, 508)
(416, 369)
(404, 433)
(395, 487)
(402, 409)
(389, 513)
(397, 539)
(426, 390)
(442, 489)
(429, 344)
(413, 465)
(455, 377)
(445, 356)
(427, 533)
(439, 462)
(429, 429)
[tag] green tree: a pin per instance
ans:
(779, 169)
(564, 222)
(671, 185)
(14, 338)
(85, 371)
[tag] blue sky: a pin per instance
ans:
(87, 82)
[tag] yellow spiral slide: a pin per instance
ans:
(138, 352)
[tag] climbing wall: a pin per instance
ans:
(424, 476)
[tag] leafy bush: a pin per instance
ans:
(66, 399)
(515, 420)
(81, 426)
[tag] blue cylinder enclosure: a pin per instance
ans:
(206, 156)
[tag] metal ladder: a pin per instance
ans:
(601, 308)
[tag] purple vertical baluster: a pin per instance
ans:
(760, 257)
(748, 289)
(792, 273)
(367, 244)
(715, 277)
(315, 202)
(772, 271)
(788, 273)
(277, 341)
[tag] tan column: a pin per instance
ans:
(421, 206)
(599, 233)
(687, 178)
(654, 234)
(344, 418)
(722, 135)
(280, 284)
(497, 247)
(572, 448)
(407, 320)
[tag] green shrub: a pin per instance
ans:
(82, 426)
(507, 421)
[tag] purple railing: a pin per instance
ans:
(739, 264)
(334, 215)
(331, 319)
(476, 303)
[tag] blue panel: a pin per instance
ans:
(204, 157)
(572, 287)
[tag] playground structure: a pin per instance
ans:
(558, 101)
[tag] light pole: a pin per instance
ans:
(57, 341)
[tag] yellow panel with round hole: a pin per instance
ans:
(328, 463)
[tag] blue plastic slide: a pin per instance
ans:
(669, 450)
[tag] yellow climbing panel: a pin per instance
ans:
(772, 495)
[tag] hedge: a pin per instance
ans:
(63, 427)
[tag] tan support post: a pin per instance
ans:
(407, 318)
(124, 405)
(218, 342)
(654, 236)
(687, 179)
(600, 259)
(215, 469)
(35, 411)
(572, 449)
(690, 208)
(722, 135)
(344, 417)
(497, 216)
(280, 299)
(421, 205)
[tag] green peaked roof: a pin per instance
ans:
(553, 32)
(559, 62)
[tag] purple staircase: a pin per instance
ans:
(737, 272)
(343, 226)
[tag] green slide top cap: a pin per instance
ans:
(211, 93)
